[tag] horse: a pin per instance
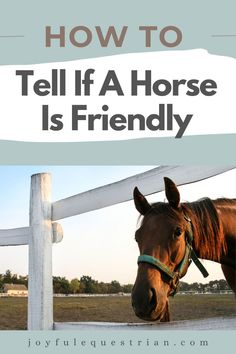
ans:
(170, 236)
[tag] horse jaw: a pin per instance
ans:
(166, 315)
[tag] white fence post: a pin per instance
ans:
(40, 301)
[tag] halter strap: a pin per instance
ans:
(193, 255)
(199, 264)
(145, 258)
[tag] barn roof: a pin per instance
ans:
(7, 287)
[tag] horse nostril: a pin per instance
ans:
(153, 298)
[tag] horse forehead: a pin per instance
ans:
(162, 220)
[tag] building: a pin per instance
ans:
(15, 290)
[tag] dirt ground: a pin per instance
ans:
(13, 311)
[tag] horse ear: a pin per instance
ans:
(140, 202)
(172, 193)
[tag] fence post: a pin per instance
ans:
(40, 301)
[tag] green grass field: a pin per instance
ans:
(13, 311)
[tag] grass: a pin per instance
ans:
(13, 311)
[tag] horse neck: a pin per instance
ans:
(213, 227)
(226, 209)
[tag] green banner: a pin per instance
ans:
(82, 25)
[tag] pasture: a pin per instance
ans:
(115, 309)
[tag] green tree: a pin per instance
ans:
(114, 287)
(7, 277)
(61, 285)
(75, 286)
(102, 288)
(184, 286)
(1, 281)
(127, 288)
(89, 285)
(81, 287)
(223, 285)
(23, 279)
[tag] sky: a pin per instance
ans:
(99, 243)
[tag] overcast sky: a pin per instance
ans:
(99, 243)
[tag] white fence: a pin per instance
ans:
(43, 230)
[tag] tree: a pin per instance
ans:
(89, 284)
(195, 286)
(81, 288)
(23, 280)
(184, 286)
(223, 285)
(127, 288)
(102, 288)
(1, 281)
(7, 278)
(74, 286)
(114, 287)
(61, 285)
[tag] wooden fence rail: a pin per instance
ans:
(149, 182)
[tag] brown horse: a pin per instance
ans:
(172, 233)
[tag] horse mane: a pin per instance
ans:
(208, 233)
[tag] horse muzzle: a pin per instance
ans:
(147, 305)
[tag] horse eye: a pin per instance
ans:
(178, 232)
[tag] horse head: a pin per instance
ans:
(161, 239)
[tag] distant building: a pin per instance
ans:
(15, 290)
